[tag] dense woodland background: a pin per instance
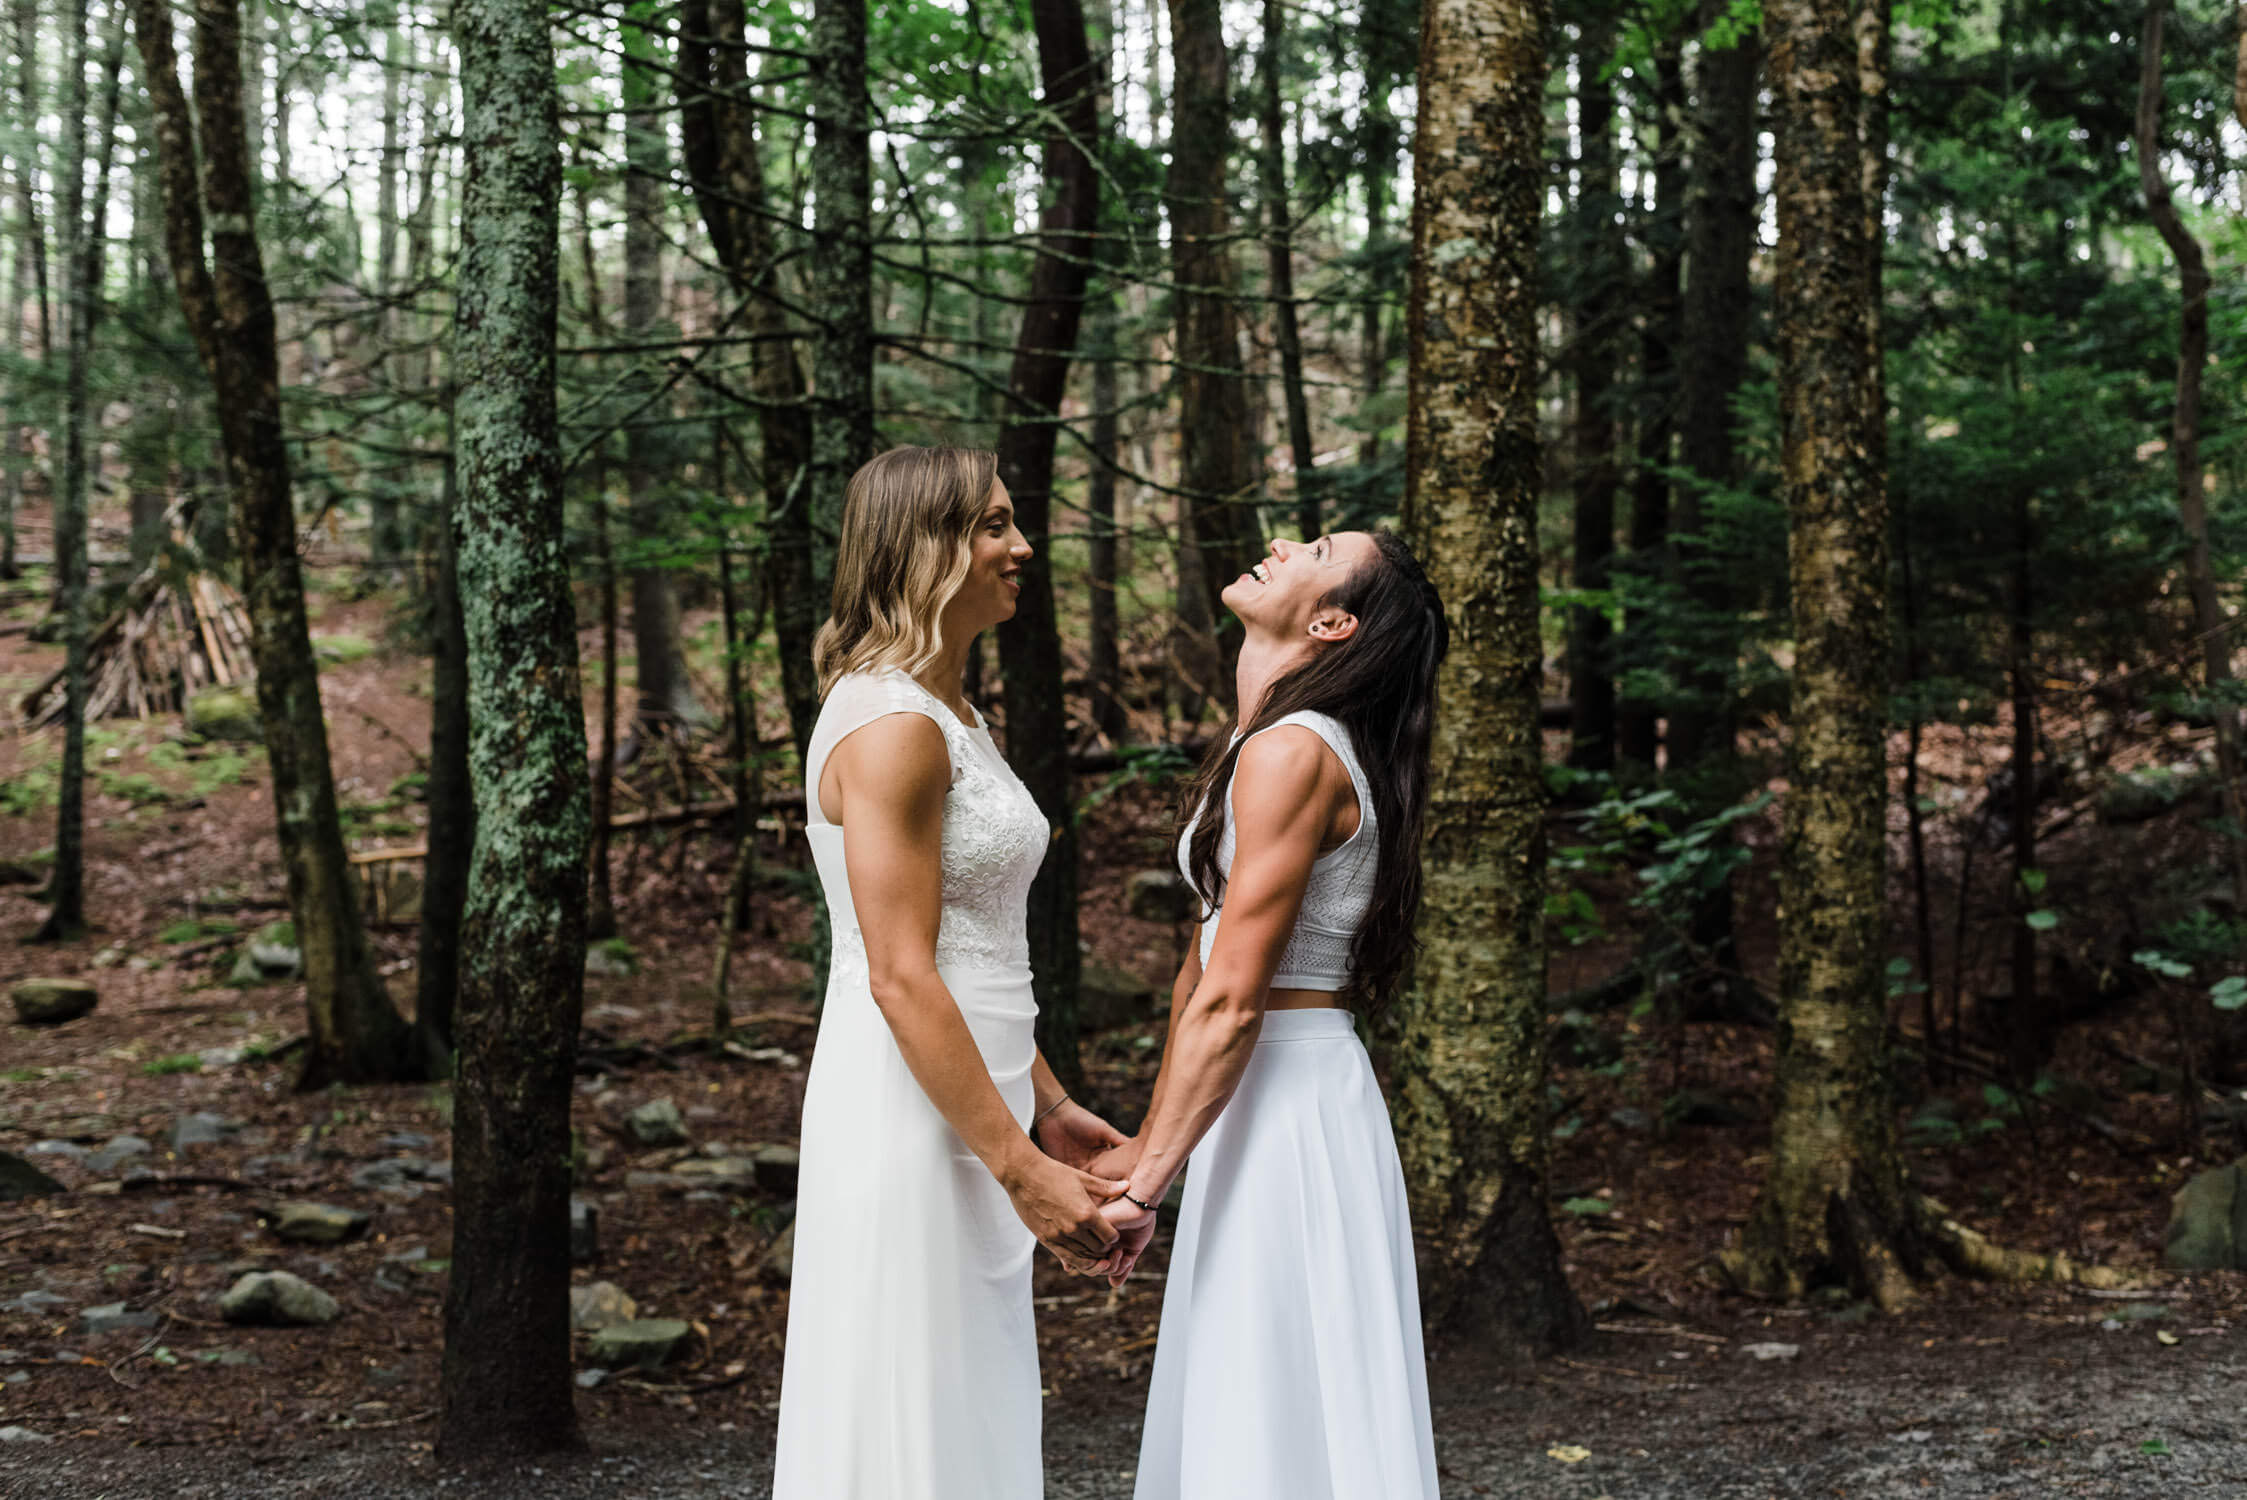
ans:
(1824, 419)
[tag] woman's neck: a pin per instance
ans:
(944, 676)
(1261, 663)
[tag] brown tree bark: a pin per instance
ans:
(1217, 468)
(842, 269)
(1638, 729)
(719, 133)
(507, 1392)
(1469, 1058)
(1834, 1203)
(1599, 276)
(2209, 618)
(1279, 240)
(452, 802)
(1037, 721)
(203, 157)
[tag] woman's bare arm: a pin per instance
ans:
(893, 775)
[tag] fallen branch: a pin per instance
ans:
(1972, 1253)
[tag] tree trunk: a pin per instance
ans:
(452, 803)
(600, 910)
(384, 544)
(1105, 663)
(665, 700)
(1599, 273)
(1037, 718)
(1834, 1204)
(842, 273)
(1638, 733)
(718, 129)
(356, 1034)
(2209, 618)
(1279, 234)
(1720, 237)
(28, 275)
(81, 260)
(1469, 1065)
(507, 1392)
(1380, 132)
(1217, 467)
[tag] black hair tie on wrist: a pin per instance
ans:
(1136, 1202)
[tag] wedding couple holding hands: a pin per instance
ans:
(939, 1150)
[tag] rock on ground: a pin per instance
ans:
(50, 1002)
(278, 1299)
(657, 1123)
(19, 1179)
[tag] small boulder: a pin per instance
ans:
(401, 1172)
(734, 1173)
(304, 1223)
(278, 1299)
(645, 1343)
(600, 1305)
(1110, 997)
(19, 1179)
(113, 1317)
(777, 1167)
(585, 1231)
(778, 1264)
(225, 713)
(2208, 1222)
(22, 1435)
(1160, 896)
(657, 1123)
(201, 1128)
(50, 1002)
(121, 1149)
(609, 960)
(1771, 1351)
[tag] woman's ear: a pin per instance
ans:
(1331, 624)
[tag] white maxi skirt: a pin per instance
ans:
(1289, 1365)
(911, 1371)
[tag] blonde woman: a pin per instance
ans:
(911, 1370)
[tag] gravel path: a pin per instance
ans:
(1871, 1414)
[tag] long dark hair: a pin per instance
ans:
(1381, 685)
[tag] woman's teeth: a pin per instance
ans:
(1260, 573)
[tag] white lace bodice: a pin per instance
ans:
(994, 835)
(1317, 955)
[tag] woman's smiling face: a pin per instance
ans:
(1281, 596)
(996, 554)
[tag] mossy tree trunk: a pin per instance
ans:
(1217, 468)
(1834, 1207)
(1037, 718)
(506, 1389)
(1279, 249)
(452, 803)
(204, 162)
(1469, 1059)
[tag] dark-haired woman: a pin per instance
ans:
(1289, 1365)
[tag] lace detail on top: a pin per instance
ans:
(1317, 955)
(994, 835)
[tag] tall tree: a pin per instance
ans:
(1037, 720)
(1834, 1202)
(1599, 296)
(1469, 1064)
(719, 132)
(452, 803)
(506, 1385)
(203, 157)
(2210, 621)
(28, 277)
(1279, 247)
(1217, 468)
(1638, 733)
(666, 698)
(842, 275)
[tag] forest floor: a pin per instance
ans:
(1978, 1392)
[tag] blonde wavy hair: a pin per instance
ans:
(908, 518)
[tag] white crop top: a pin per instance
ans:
(1317, 955)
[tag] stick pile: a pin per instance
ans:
(174, 636)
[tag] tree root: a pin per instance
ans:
(1971, 1253)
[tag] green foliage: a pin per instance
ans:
(1679, 859)
(181, 1062)
(1138, 765)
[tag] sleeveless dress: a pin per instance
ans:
(911, 1370)
(1289, 1364)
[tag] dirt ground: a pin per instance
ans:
(1980, 1392)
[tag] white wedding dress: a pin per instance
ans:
(911, 1370)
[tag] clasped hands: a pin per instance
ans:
(1093, 1230)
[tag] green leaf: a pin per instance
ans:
(2043, 919)
(2161, 963)
(2032, 881)
(1588, 1206)
(2229, 993)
